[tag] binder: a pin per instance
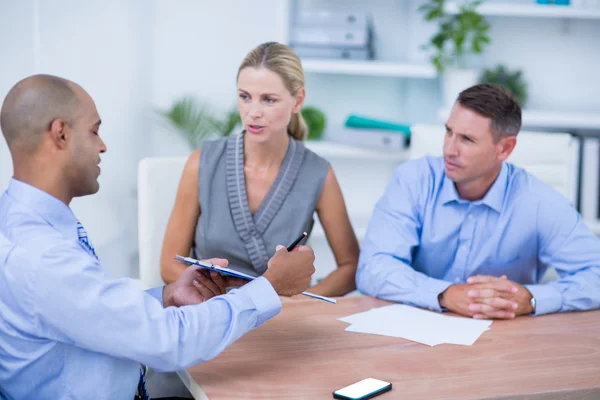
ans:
(324, 17)
(380, 139)
(330, 36)
(356, 121)
(335, 53)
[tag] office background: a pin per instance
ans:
(135, 57)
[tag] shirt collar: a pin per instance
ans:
(52, 210)
(448, 193)
(494, 198)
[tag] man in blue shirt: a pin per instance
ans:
(473, 234)
(67, 330)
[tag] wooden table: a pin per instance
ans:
(304, 353)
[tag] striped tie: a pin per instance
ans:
(141, 393)
(84, 240)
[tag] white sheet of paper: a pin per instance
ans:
(427, 327)
(350, 319)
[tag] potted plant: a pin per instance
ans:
(511, 80)
(315, 122)
(198, 122)
(460, 35)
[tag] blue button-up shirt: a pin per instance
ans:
(67, 331)
(423, 237)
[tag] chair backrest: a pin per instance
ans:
(550, 157)
(363, 174)
(158, 179)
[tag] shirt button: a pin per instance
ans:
(457, 279)
(470, 217)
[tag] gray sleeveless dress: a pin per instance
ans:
(227, 229)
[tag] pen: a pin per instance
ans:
(297, 241)
(237, 274)
(315, 296)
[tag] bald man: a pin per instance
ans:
(67, 330)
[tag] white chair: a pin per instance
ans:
(158, 179)
(550, 157)
(362, 174)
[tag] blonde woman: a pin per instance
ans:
(241, 196)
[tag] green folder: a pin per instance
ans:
(358, 122)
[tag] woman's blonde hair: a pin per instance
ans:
(282, 60)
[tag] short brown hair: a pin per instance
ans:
(496, 103)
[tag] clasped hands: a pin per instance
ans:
(487, 297)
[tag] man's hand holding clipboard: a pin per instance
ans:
(289, 272)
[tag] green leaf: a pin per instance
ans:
(315, 121)
(198, 122)
(511, 80)
(457, 34)
(232, 120)
(437, 62)
(438, 41)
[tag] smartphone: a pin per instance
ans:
(365, 389)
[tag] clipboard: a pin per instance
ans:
(237, 274)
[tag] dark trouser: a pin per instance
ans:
(165, 385)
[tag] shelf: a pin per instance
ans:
(529, 10)
(552, 119)
(335, 150)
(369, 68)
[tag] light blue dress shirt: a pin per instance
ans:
(68, 331)
(423, 237)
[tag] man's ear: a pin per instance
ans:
(506, 147)
(60, 133)
(300, 96)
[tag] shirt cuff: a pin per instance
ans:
(547, 298)
(431, 293)
(157, 293)
(264, 297)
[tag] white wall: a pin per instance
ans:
(16, 24)
(198, 47)
(103, 46)
(133, 57)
